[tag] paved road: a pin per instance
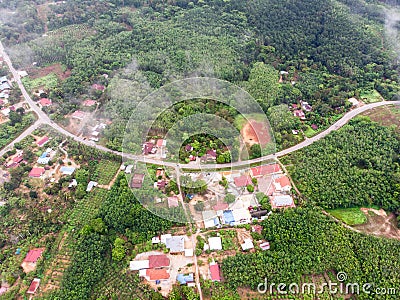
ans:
(44, 119)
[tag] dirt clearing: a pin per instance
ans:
(54, 68)
(254, 132)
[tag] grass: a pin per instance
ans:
(385, 116)
(371, 96)
(48, 82)
(240, 120)
(310, 132)
(350, 216)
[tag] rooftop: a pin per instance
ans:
(45, 102)
(158, 261)
(176, 244)
(157, 274)
(36, 172)
(214, 271)
(242, 181)
(33, 255)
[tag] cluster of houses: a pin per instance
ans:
(210, 155)
(29, 264)
(300, 110)
(96, 131)
(5, 88)
(153, 147)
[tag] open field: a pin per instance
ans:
(351, 216)
(57, 69)
(386, 116)
(49, 81)
(371, 96)
(255, 132)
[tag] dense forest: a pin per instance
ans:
(330, 51)
(357, 165)
(305, 242)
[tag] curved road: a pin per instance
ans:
(44, 119)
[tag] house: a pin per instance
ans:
(300, 114)
(3, 79)
(73, 183)
(155, 240)
(137, 181)
(22, 74)
(89, 103)
(34, 286)
(159, 261)
(265, 246)
(98, 87)
(227, 217)
(257, 229)
(157, 274)
(161, 184)
(295, 132)
(91, 185)
(305, 106)
(173, 201)
(95, 133)
(79, 115)
(5, 111)
(189, 252)
(43, 159)
(241, 216)
(185, 279)
(215, 243)
(45, 102)
(164, 238)
(282, 184)
(214, 271)
(36, 172)
(148, 148)
(161, 143)
(67, 170)
(220, 206)
(137, 265)
(242, 181)
(33, 255)
(42, 141)
(265, 170)
(176, 244)
(314, 127)
(188, 148)
(211, 154)
(128, 169)
(5, 86)
(210, 219)
(280, 201)
(247, 245)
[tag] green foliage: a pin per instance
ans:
(119, 249)
(354, 166)
(229, 198)
(250, 188)
(351, 216)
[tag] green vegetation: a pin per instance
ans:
(304, 241)
(48, 82)
(351, 216)
(371, 96)
(355, 166)
(10, 130)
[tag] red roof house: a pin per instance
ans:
(12, 108)
(157, 274)
(158, 261)
(300, 114)
(283, 182)
(43, 141)
(265, 170)
(220, 206)
(36, 172)
(160, 143)
(44, 102)
(34, 286)
(78, 115)
(137, 181)
(242, 181)
(214, 272)
(88, 103)
(18, 158)
(98, 87)
(33, 255)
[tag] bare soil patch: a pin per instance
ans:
(256, 133)
(380, 224)
(385, 115)
(54, 68)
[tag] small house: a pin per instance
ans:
(214, 272)
(34, 286)
(176, 244)
(215, 243)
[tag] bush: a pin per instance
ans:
(250, 188)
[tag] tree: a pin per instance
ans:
(14, 118)
(250, 188)
(230, 198)
(119, 249)
(255, 151)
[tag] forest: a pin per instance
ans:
(305, 242)
(330, 52)
(356, 166)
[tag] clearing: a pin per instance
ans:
(385, 115)
(380, 224)
(371, 96)
(255, 132)
(350, 216)
(57, 69)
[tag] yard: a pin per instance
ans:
(371, 96)
(350, 216)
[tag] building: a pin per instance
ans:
(128, 169)
(79, 115)
(241, 216)
(31, 258)
(137, 181)
(159, 261)
(73, 183)
(227, 217)
(214, 272)
(265, 170)
(45, 102)
(98, 87)
(305, 106)
(210, 219)
(89, 103)
(176, 244)
(247, 245)
(67, 170)
(91, 185)
(185, 279)
(265, 246)
(164, 238)
(43, 141)
(354, 101)
(36, 172)
(161, 143)
(34, 286)
(300, 114)
(282, 184)
(242, 181)
(215, 243)
(280, 201)
(148, 148)
(137, 265)
(157, 274)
